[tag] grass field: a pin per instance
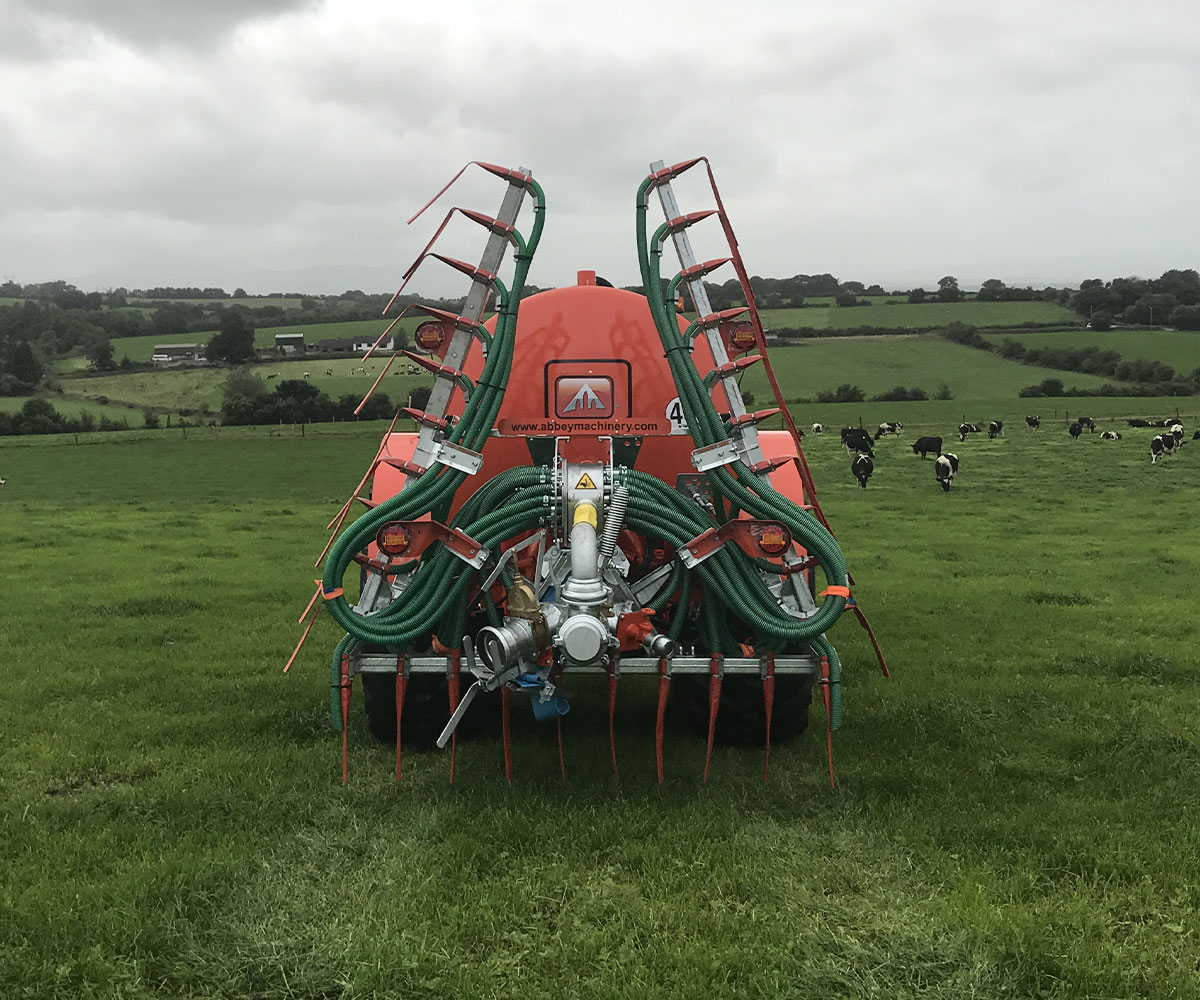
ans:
(1015, 814)
(924, 314)
(876, 364)
(1178, 348)
(141, 348)
(71, 407)
(821, 317)
(923, 361)
(200, 388)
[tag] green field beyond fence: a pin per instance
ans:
(1178, 348)
(823, 317)
(1015, 817)
(924, 314)
(141, 348)
(874, 363)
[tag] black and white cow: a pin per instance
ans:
(1075, 430)
(924, 445)
(1138, 422)
(1161, 446)
(1087, 423)
(1032, 422)
(1177, 433)
(1110, 436)
(857, 439)
(818, 428)
(965, 429)
(996, 427)
(894, 427)
(1196, 436)
(862, 467)
(945, 469)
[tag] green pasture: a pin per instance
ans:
(70, 406)
(141, 348)
(1178, 348)
(924, 314)
(820, 317)
(1014, 817)
(877, 364)
(201, 388)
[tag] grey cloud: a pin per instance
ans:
(155, 22)
(866, 138)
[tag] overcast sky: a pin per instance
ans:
(281, 144)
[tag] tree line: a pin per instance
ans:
(247, 400)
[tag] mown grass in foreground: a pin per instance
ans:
(1015, 815)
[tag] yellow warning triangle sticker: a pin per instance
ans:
(585, 483)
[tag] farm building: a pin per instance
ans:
(175, 354)
(289, 343)
(344, 344)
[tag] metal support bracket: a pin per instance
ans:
(759, 538)
(456, 456)
(713, 455)
(408, 539)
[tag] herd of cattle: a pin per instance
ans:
(859, 442)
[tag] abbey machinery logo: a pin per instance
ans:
(590, 396)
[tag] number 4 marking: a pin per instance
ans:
(675, 415)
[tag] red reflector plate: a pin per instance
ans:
(394, 538)
(742, 336)
(429, 335)
(773, 539)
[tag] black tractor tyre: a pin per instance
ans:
(741, 715)
(426, 709)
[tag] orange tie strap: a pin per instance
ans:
(836, 591)
(329, 595)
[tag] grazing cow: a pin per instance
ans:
(1032, 422)
(1158, 448)
(924, 445)
(1177, 433)
(1086, 422)
(995, 427)
(862, 467)
(1110, 436)
(965, 429)
(1196, 436)
(272, 375)
(945, 469)
(894, 427)
(1075, 430)
(307, 375)
(3, 481)
(818, 428)
(328, 371)
(857, 439)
